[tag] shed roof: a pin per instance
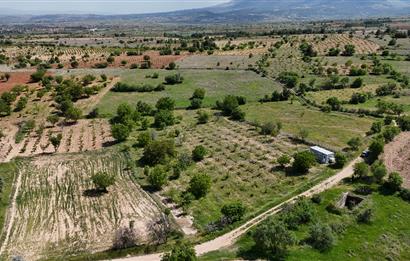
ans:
(322, 150)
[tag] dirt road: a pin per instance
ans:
(229, 238)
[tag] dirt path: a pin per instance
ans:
(229, 238)
(88, 104)
(11, 214)
(397, 156)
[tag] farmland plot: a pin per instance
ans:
(55, 216)
(241, 163)
(86, 135)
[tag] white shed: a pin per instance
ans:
(324, 156)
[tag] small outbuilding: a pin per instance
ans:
(324, 156)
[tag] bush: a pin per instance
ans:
(354, 143)
(195, 104)
(303, 161)
(124, 87)
(200, 185)
(165, 103)
(361, 170)
(390, 132)
(340, 160)
(365, 216)
(290, 79)
(158, 177)
(120, 132)
(180, 252)
(317, 198)
(158, 152)
(233, 212)
(357, 83)
(102, 181)
(38, 75)
(394, 182)
(238, 115)
(272, 239)
(379, 171)
(271, 128)
(144, 138)
(174, 79)
(405, 194)
(203, 117)
(198, 94)
(199, 153)
(164, 118)
(375, 149)
(283, 160)
(301, 212)
(321, 237)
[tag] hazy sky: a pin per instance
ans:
(101, 6)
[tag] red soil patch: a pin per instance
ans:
(157, 61)
(15, 79)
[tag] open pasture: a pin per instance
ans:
(217, 84)
(331, 130)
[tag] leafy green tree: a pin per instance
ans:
(164, 118)
(340, 160)
(199, 153)
(233, 212)
(303, 161)
(203, 117)
(195, 104)
(321, 237)
(290, 79)
(357, 83)
(283, 160)
(361, 170)
(165, 103)
(199, 185)
(180, 252)
(56, 140)
(273, 239)
(120, 132)
(102, 180)
(350, 50)
(228, 105)
(38, 75)
(390, 132)
(379, 171)
(375, 149)
(143, 139)
(394, 182)
(158, 177)
(198, 94)
(354, 143)
(73, 114)
(158, 152)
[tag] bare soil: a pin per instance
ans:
(397, 156)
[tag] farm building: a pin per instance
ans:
(324, 156)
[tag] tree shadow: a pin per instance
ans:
(109, 143)
(94, 193)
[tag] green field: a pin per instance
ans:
(328, 129)
(7, 172)
(387, 237)
(217, 84)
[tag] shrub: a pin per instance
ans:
(361, 170)
(203, 117)
(301, 212)
(290, 79)
(379, 171)
(180, 252)
(38, 75)
(271, 128)
(390, 132)
(158, 151)
(143, 139)
(394, 182)
(158, 177)
(199, 153)
(165, 103)
(195, 104)
(375, 149)
(174, 79)
(405, 194)
(164, 118)
(200, 185)
(198, 94)
(283, 160)
(120, 132)
(357, 83)
(238, 115)
(340, 160)
(354, 143)
(321, 237)
(102, 181)
(233, 212)
(317, 198)
(272, 239)
(303, 161)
